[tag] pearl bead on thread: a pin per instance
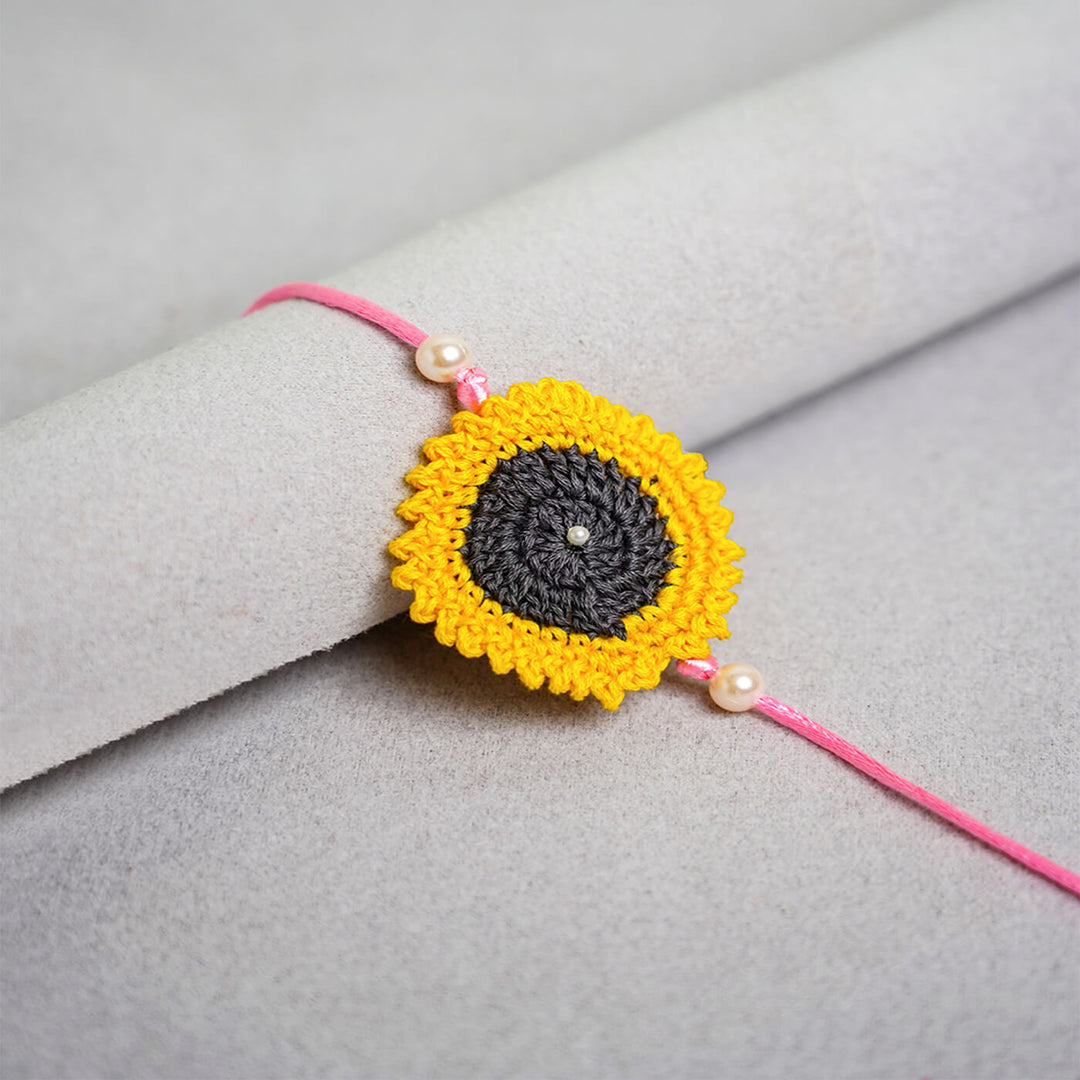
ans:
(441, 356)
(737, 687)
(577, 535)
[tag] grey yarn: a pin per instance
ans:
(517, 551)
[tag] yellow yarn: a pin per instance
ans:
(563, 414)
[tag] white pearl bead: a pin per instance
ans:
(736, 687)
(577, 535)
(441, 356)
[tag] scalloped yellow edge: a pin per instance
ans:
(686, 614)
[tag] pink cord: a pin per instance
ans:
(472, 389)
(355, 305)
(472, 383)
(810, 729)
(698, 669)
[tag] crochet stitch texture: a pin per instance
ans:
(662, 553)
(518, 552)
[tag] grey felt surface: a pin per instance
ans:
(164, 163)
(385, 861)
(223, 509)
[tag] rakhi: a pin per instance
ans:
(572, 543)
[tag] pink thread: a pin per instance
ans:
(472, 387)
(355, 305)
(810, 729)
(698, 669)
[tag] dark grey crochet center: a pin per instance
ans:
(517, 550)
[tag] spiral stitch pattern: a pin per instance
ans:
(683, 614)
(518, 551)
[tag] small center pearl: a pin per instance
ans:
(577, 535)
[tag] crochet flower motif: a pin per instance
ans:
(567, 540)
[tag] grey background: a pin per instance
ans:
(224, 508)
(384, 861)
(164, 164)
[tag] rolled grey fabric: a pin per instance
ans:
(224, 508)
(157, 215)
